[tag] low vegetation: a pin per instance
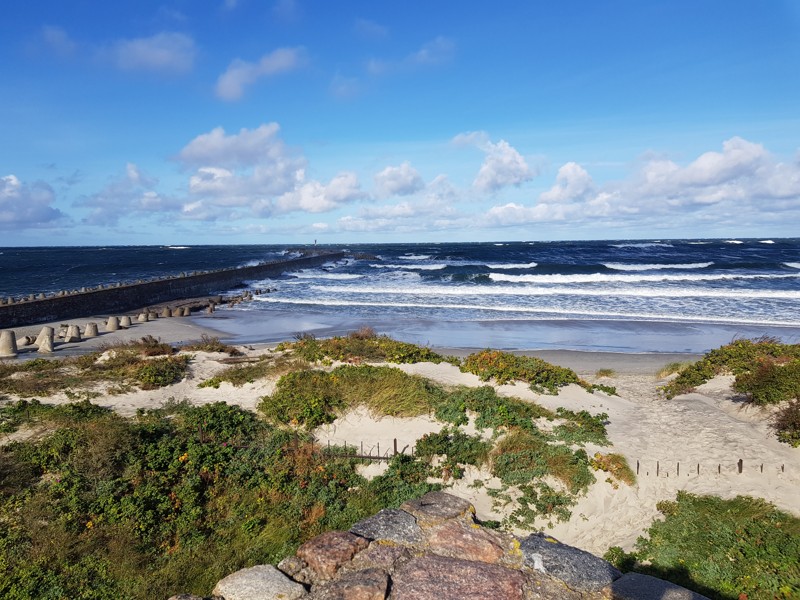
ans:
(251, 371)
(767, 371)
(543, 378)
(723, 549)
(362, 345)
(173, 500)
(675, 367)
(212, 344)
(523, 455)
(616, 465)
(146, 363)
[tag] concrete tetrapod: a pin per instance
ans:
(90, 331)
(45, 340)
(73, 334)
(8, 343)
(143, 317)
(112, 324)
(166, 312)
(125, 321)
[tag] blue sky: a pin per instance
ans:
(242, 121)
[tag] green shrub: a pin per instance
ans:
(161, 372)
(581, 427)
(786, 423)
(361, 345)
(724, 549)
(737, 358)
(770, 382)
(457, 447)
(505, 367)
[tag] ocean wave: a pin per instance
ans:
(699, 243)
(177, 247)
(643, 245)
(613, 278)
(793, 265)
(545, 312)
(251, 263)
(530, 265)
(529, 291)
(737, 242)
(434, 267)
(325, 275)
(415, 257)
(656, 267)
(766, 242)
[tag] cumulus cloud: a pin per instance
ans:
(573, 183)
(241, 74)
(742, 179)
(253, 173)
(163, 52)
(398, 181)
(315, 197)
(27, 206)
(503, 165)
(125, 196)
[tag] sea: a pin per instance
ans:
(682, 296)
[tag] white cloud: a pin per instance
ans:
(26, 206)
(314, 197)
(503, 166)
(345, 87)
(58, 41)
(370, 29)
(398, 181)
(438, 51)
(132, 194)
(742, 183)
(164, 52)
(241, 74)
(573, 183)
(253, 173)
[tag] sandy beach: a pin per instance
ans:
(692, 442)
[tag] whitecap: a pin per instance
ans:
(595, 278)
(643, 245)
(415, 257)
(793, 265)
(655, 267)
(734, 242)
(766, 242)
(434, 267)
(177, 247)
(530, 265)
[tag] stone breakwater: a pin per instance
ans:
(433, 549)
(39, 308)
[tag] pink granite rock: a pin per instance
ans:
(327, 552)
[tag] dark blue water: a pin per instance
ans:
(586, 293)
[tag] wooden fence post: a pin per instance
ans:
(740, 465)
(395, 447)
(658, 468)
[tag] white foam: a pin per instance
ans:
(793, 265)
(699, 243)
(766, 242)
(530, 265)
(547, 312)
(415, 257)
(734, 242)
(643, 245)
(614, 278)
(528, 290)
(656, 267)
(323, 275)
(435, 267)
(178, 247)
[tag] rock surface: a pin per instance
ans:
(262, 582)
(432, 549)
(580, 570)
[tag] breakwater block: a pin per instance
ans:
(8, 343)
(112, 324)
